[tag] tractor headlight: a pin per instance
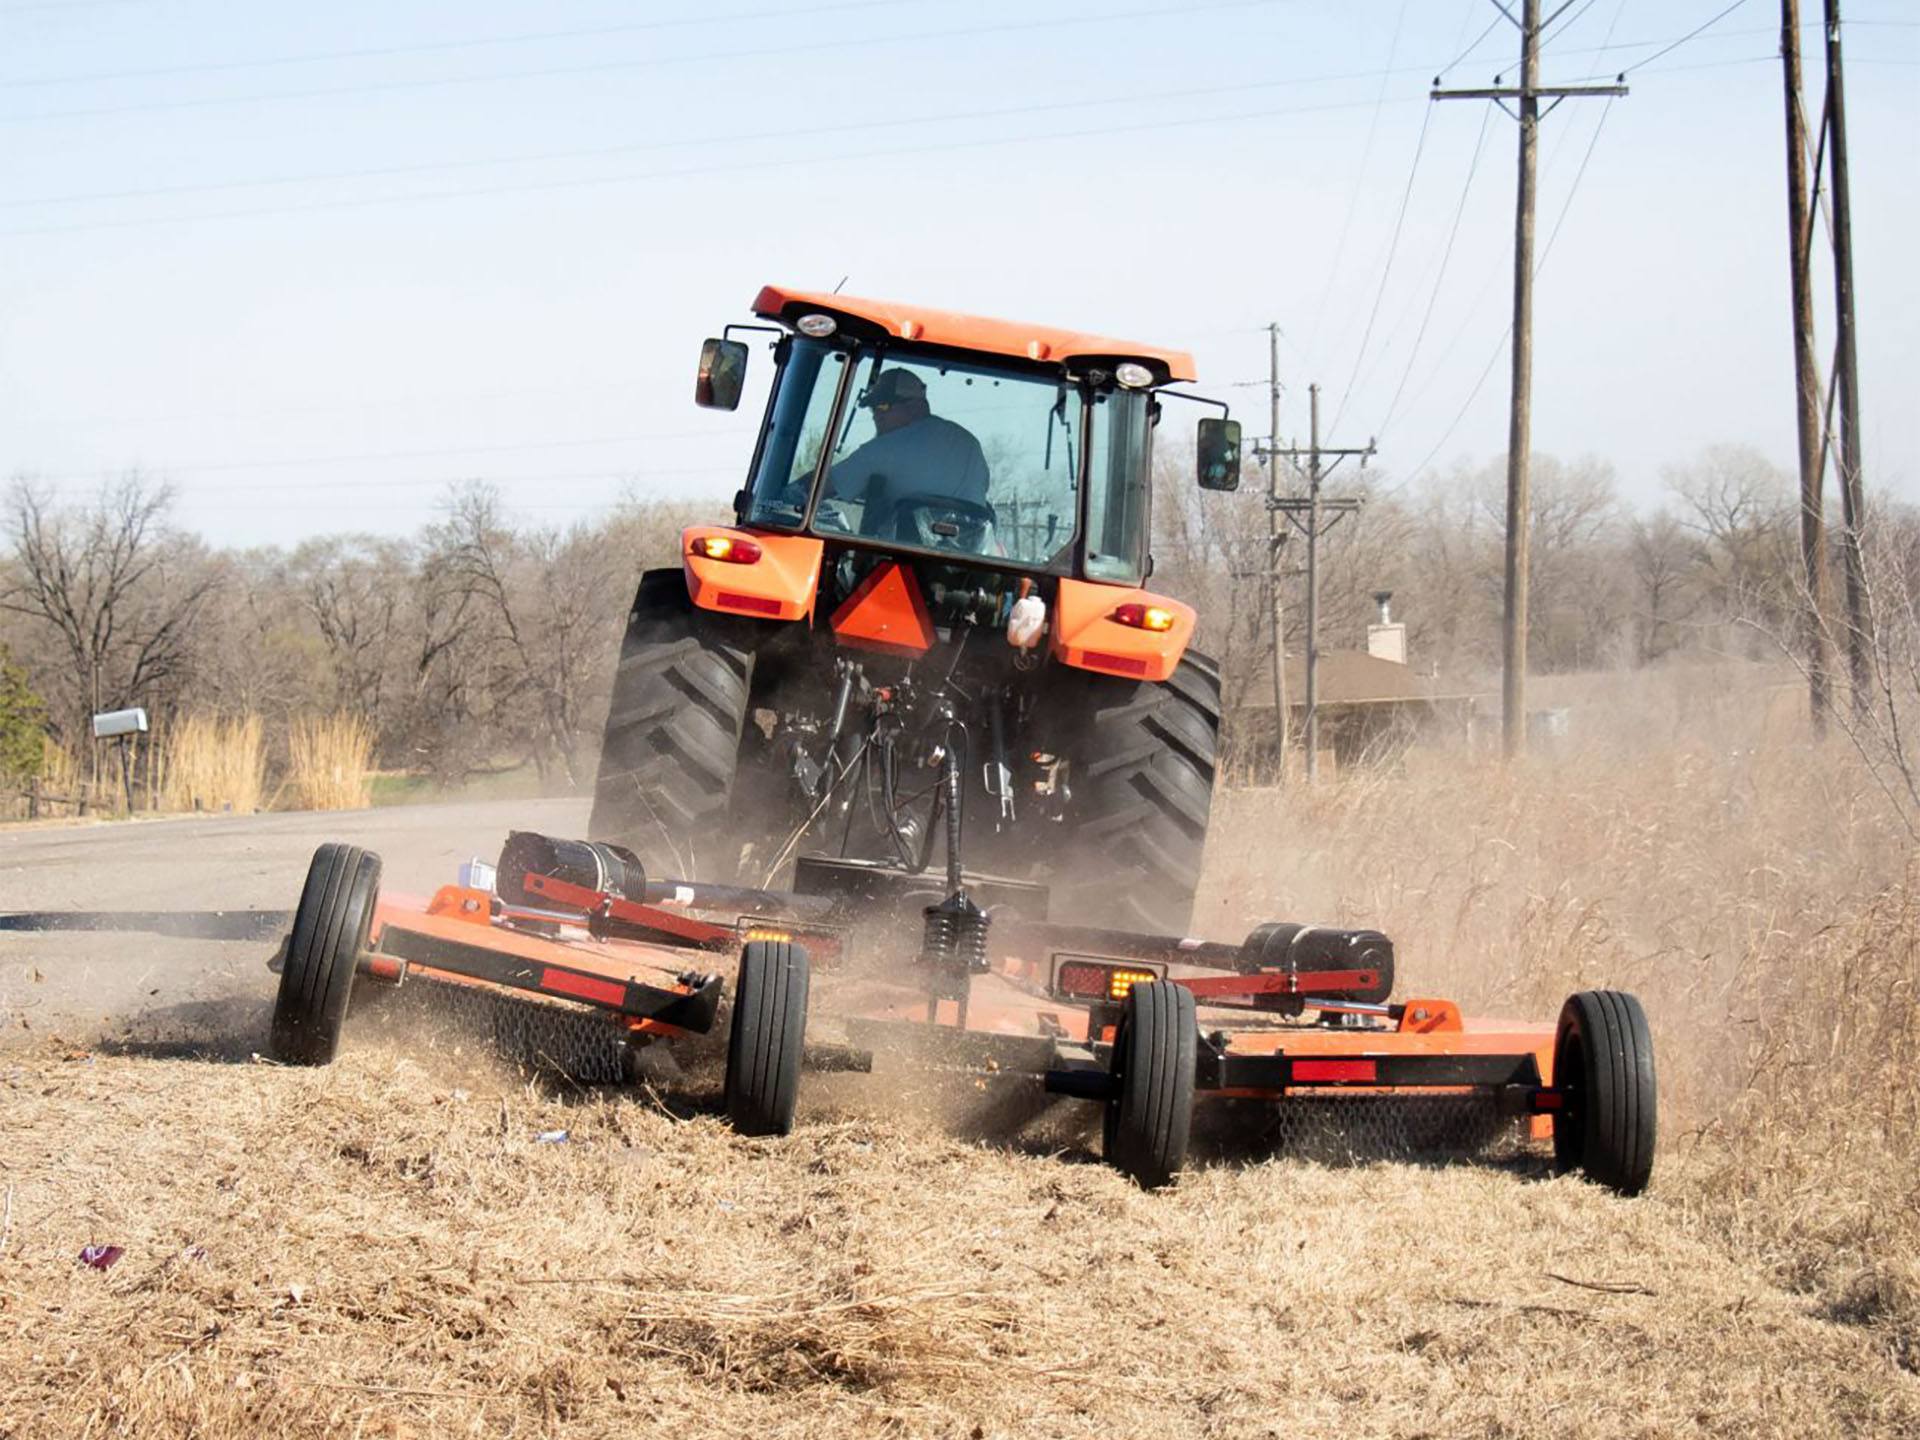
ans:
(816, 326)
(1133, 375)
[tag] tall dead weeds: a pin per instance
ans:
(1754, 889)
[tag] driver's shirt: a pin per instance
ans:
(931, 456)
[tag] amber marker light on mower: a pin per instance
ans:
(731, 548)
(1091, 980)
(1143, 617)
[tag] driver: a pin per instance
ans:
(913, 453)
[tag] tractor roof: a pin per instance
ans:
(971, 332)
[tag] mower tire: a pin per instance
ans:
(673, 733)
(1144, 762)
(1155, 1057)
(330, 929)
(1603, 1068)
(769, 1032)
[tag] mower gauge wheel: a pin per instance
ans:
(330, 929)
(1603, 1067)
(768, 1035)
(1155, 1058)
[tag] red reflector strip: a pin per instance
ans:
(1119, 664)
(1306, 1071)
(583, 987)
(1082, 979)
(758, 604)
(1548, 1100)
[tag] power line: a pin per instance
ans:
(292, 462)
(702, 142)
(1564, 25)
(1454, 229)
(1507, 334)
(1386, 272)
(1359, 174)
(443, 46)
(1466, 323)
(576, 477)
(1446, 255)
(1461, 58)
(1697, 30)
(1552, 161)
(683, 172)
(60, 5)
(647, 63)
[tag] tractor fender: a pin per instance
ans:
(1086, 635)
(778, 582)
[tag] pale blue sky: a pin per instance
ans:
(311, 263)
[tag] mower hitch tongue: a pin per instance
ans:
(580, 960)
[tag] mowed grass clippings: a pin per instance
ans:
(385, 1247)
(370, 1249)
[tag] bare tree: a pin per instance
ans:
(1741, 511)
(350, 588)
(118, 593)
(1660, 553)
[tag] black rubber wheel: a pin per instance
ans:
(769, 1032)
(330, 930)
(673, 733)
(1155, 1055)
(1143, 758)
(1603, 1066)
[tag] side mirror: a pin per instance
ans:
(1219, 454)
(723, 375)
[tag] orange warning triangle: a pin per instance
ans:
(886, 613)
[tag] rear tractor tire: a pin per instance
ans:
(767, 1038)
(1156, 1053)
(1144, 761)
(672, 740)
(330, 929)
(1603, 1068)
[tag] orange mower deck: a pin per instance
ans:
(1142, 1026)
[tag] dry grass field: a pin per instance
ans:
(386, 1248)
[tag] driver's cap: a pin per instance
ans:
(894, 387)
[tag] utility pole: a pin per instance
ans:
(1321, 516)
(1806, 371)
(1847, 362)
(1513, 692)
(1276, 547)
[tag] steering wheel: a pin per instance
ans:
(938, 522)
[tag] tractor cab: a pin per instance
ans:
(974, 442)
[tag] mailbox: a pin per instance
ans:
(111, 724)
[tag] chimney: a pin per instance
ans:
(1387, 638)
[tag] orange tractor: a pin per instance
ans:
(933, 595)
(932, 600)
